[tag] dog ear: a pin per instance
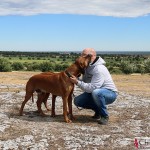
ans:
(89, 56)
(81, 65)
(80, 62)
(83, 62)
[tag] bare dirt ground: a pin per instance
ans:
(129, 118)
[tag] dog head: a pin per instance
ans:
(83, 62)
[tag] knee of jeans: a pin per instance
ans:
(97, 93)
(94, 93)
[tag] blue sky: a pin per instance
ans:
(72, 26)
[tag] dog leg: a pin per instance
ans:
(65, 100)
(53, 105)
(27, 97)
(70, 107)
(45, 101)
(41, 96)
(38, 99)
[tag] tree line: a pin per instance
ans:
(116, 63)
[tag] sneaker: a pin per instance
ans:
(103, 120)
(96, 116)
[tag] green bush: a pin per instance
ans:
(17, 66)
(35, 66)
(147, 66)
(61, 67)
(116, 70)
(5, 65)
(65, 66)
(58, 67)
(47, 66)
(31, 66)
(139, 68)
(126, 67)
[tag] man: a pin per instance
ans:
(98, 86)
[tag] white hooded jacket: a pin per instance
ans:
(97, 76)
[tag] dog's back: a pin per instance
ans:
(49, 83)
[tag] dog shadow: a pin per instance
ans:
(36, 117)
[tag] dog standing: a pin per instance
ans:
(58, 84)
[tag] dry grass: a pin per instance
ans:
(135, 84)
(15, 77)
(132, 84)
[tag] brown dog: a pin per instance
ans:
(57, 84)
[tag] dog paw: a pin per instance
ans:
(68, 121)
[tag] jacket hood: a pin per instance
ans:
(100, 61)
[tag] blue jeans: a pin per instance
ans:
(97, 100)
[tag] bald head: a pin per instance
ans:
(90, 51)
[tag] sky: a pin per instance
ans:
(72, 25)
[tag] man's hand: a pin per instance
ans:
(73, 79)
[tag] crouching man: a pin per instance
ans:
(98, 85)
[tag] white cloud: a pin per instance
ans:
(116, 8)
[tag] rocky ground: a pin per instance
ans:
(129, 119)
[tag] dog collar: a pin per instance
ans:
(68, 74)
